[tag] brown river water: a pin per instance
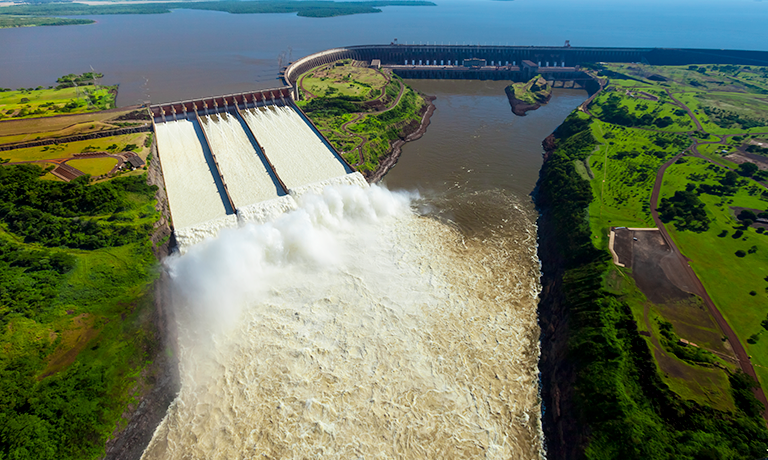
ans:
(394, 322)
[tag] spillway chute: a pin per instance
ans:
(225, 166)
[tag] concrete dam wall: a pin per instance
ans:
(549, 59)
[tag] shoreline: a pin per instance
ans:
(393, 154)
(519, 107)
(563, 438)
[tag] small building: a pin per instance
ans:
(376, 64)
(134, 161)
(474, 62)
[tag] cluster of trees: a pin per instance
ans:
(29, 279)
(624, 409)
(74, 214)
(70, 413)
(691, 354)
(728, 119)
(686, 210)
(614, 112)
(73, 79)
(753, 148)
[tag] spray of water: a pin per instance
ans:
(352, 327)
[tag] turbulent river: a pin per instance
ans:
(370, 323)
(357, 326)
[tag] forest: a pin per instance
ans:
(76, 267)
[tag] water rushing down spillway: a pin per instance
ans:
(353, 327)
(244, 171)
(300, 157)
(194, 192)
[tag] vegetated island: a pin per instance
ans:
(72, 94)
(366, 113)
(81, 320)
(32, 14)
(663, 168)
(530, 95)
(7, 22)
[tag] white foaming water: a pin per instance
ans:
(248, 180)
(354, 178)
(299, 156)
(350, 327)
(192, 192)
(266, 211)
(189, 236)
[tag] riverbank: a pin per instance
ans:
(603, 394)
(393, 154)
(159, 383)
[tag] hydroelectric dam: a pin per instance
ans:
(243, 157)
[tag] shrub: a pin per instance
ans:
(740, 253)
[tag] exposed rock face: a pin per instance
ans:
(524, 97)
(564, 434)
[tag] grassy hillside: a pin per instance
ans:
(640, 390)
(361, 111)
(64, 99)
(76, 268)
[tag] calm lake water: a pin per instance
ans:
(187, 54)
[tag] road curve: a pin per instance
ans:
(682, 261)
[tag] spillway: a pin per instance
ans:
(245, 172)
(195, 192)
(299, 155)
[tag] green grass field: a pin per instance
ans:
(94, 166)
(33, 103)
(48, 152)
(729, 279)
(344, 80)
(622, 171)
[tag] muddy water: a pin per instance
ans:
(476, 151)
(376, 324)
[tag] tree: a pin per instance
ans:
(747, 214)
(747, 169)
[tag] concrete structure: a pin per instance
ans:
(444, 61)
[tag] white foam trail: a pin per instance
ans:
(266, 211)
(190, 236)
(352, 328)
